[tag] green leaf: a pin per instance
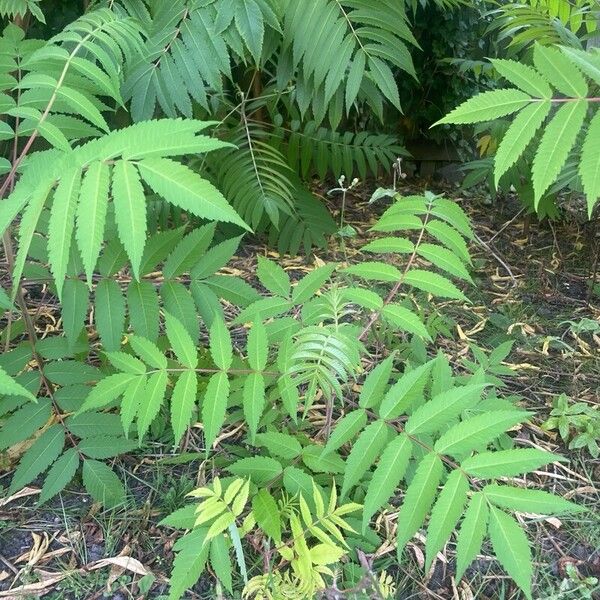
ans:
(250, 25)
(266, 513)
(109, 313)
(82, 106)
(181, 342)
(216, 258)
(257, 346)
(448, 236)
(59, 475)
(530, 501)
(74, 309)
(512, 549)
(9, 387)
(384, 79)
(61, 225)
(297, 482)
(389, 245)
(433, 283)
(69, 372)
(126, 363)
(104, 446)
(158, 247)
(589, 166)
(471, 534)
(405, 320)
(44, 451)
(214, 405)
(355, 77)
(487, 106)
(405, 391)
(444, 407)
(364, 298)
(142, 301)
(311, 283)
(264, 308)
(451, 212)
(365, 452)
(24, 422)
(106, 391)
(588, 62)
(90, 424)
(517, 137)
(418, 498)
(192, 553)
(178, 301)
(221, 348)
(374, 271)
(253, 401)
(233, 289)
(345, 430)
(445, 260)
(507, 463)
(313, 458)
(524, 77)
(148, 352)
(91, 215)
(183, 401)
(388, 474)
(154, 397)
(130, 211)
(260, 469)
(220, 561)
(5, 302)
(375, 383)
(558, 69)
(189, 251)
(398, 220)
(102, 484)
(182, 518)
(182, 187)
(133, 396)
(445, 514)
(273, 277)
(556, 143)
(279, 444)
(477, 432)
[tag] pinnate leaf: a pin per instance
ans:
(214, 405)
(273, 277)
(130, 211)
(59, 475)
(44, 451)
(183, 401)
(364, 453)
(266, 513)
(445, 514)
(388, 474)
(181, 342)
(531, 501)
(487, 106)
(556, 143)
(471, 534)
(507, 463)
(418, 499)
(477, 432)
(221, 348)
(511, 548)
(102, 483)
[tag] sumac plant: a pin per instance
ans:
(328, 424)
(555, 121)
